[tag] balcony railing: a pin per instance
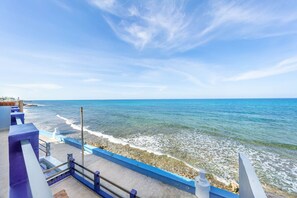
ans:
(45, 147)
(38, 184)
(88, 177)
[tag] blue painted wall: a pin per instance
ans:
(5, 117)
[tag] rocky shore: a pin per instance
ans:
(161, 161)
(168, 163)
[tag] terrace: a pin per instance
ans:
(36, 164)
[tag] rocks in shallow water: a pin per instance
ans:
(234, 186)
(161, 161)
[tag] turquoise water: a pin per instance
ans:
(204, 133)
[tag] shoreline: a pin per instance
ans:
(169, 163)
(160, 160)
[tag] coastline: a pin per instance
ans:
(157, 159)
(169, 163)
(162, 161)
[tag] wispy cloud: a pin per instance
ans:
(62, 4)
(285, 66)
(108, 5)
(179, 25)
(91, 80)
(47, 86)
(144, 86)
(191, 71)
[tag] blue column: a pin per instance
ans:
(133, 193)
(15, 115)
(18, 179)
(72, 166)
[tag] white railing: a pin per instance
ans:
(45, 147)
(18, 121)
(249, 184)
(38, 185)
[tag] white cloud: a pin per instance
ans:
(144, 86)
(104, 4)
(91, 80)
(187, 70)
(62, 4)
(47, 86)
(179, 25)
(285, 66)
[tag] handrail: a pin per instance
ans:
(105, 179)
(85, 168)
(56, 174)
(38, 185)
(42, 150)
(84, 175)
(18, 121)
(47, 147)
(123, 189)
(42, 140)
(54, 168)
(42, 145)
(91, 179)
(110, 190)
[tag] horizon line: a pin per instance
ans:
(251, 98)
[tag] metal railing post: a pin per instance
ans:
(69, 156)
(48, 149)
(133, 193)
(71, 164)
(97, 181)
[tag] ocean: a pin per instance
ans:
(205, 133)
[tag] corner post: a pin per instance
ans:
(72, 166)
(97, 181)
(202, 185)
(48, 148)
(69, 156)
(70, 161)
(133, 193)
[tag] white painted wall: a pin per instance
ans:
(249, 184)
(4, 117)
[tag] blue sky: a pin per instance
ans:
(109, 49)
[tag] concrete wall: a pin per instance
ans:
(4, 117)
(249, 184)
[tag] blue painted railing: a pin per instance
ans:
(95, 183)
(45, 147)
(92, 182)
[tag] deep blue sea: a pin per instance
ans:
(205, 133)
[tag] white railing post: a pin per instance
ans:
(202, 185)
(249, 184)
